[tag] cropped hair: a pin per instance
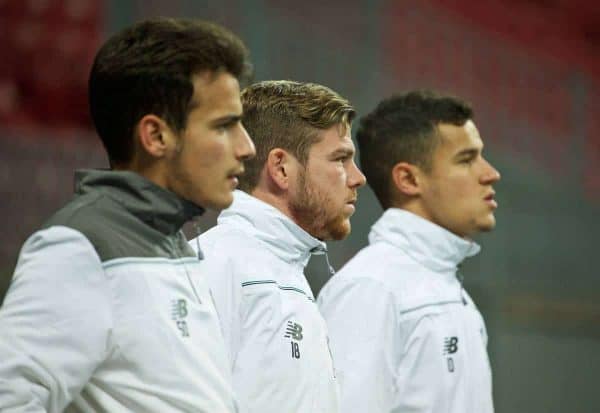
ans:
(148, 68)
(403, 128)
(289, 115)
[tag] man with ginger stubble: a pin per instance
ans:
(299, 191)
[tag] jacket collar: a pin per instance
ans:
(282, 236)
(428, 243)
(158, 207)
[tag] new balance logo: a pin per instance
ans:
(178, 313)
(450, 345)
(294, 331)
(178, 309)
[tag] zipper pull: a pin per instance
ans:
(199, 252)
(323, 251)
(460, 278)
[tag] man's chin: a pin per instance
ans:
(219, 203)
(487, 225)
(340, 230)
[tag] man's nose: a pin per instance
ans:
(245, 148)
(355, 177)
(490, 174)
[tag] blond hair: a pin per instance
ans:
(289, 115)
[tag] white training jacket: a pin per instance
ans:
(83, 331)
(277, 339)
(405, 336)
(126, 335)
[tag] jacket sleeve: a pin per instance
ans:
(225, 289)
(54, 323)
(360, 319)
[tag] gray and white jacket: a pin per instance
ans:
(108, 310)
(404, 334)
(276, 337)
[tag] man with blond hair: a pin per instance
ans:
(299, 191)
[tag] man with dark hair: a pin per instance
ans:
(405, 336)
(108, 309)
(298, 191)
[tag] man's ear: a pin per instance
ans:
(281, 168)
(406, 178)
(153, 136)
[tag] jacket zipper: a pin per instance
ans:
(461, 278)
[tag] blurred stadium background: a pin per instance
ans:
(530, 68)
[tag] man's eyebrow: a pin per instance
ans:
(226, 120)
(467, 153)
(342, 152)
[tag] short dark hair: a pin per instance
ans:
(403, 128)
(288, 115)
(148, 68)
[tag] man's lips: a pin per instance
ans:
(350, 204)
(234, 176)
(236, 172)
(489, 199)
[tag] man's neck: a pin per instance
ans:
(274, 200)
(415, 207)
(152, 171)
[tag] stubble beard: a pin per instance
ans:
(180, 175)
(188, 188)
(310, 209)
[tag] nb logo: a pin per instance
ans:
(294, 331)
(178, 313)
(450, 345)
(178, 309)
